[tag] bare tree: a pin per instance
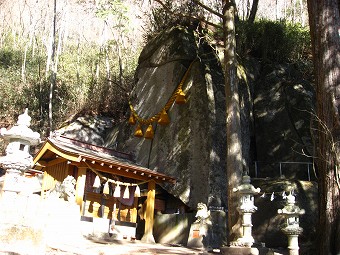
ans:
(53, 76)
(253, 11)
(246, 9)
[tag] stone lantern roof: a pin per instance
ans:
(21, 130)
(290, 208)
(246, 187)
(20, 138)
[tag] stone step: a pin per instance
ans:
(251, 251)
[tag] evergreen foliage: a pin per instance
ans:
(274, 41)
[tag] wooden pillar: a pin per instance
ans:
(149, 213)
(134, 210)
(43, 185)
(80, 186)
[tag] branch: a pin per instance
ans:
(208, 9)
(118, 85)
(166, 8)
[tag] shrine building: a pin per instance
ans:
(108, 184)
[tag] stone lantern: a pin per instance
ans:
(17, 160)
(291, 212)
(246, 208)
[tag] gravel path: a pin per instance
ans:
(87, 247)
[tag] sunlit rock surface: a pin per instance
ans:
(192, 147)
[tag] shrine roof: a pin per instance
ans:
(60, 148)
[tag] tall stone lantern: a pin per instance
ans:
(246, 208)
(17, 159)
(292, 229)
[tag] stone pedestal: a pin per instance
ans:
(247, 239)
(199, 231)
(13, 181)
(239, 251)
(293, 242)
(148, 238)
(196, 235)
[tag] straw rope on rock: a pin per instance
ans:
(162, 116)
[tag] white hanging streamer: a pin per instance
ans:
(107, 180)
(116, 193)
(137, 191)
(96, 183)
(106, 189)
(126, 194)
(274, 195)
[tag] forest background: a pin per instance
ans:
(62, 59)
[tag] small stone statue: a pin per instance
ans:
(203, 214)
(66, 189)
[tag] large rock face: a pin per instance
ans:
(192, 147)
(283, 109)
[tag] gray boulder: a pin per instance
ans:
(192, 148)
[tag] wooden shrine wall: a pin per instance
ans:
(53, 174)
(102, 206)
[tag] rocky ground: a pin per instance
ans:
(93, 247)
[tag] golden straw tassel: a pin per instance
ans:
(139, 131)
(149, 132)
(180, 98)
(132, 119)
(164, 118)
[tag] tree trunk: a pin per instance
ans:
(53, 73)
(324, 23)
(234, 150)
(119, 46)
(78, 60)
(301, 13)
(293, 6)
(49, 46)
(253, 11)
(23, 65)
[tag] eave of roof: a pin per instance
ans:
(99, 158)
